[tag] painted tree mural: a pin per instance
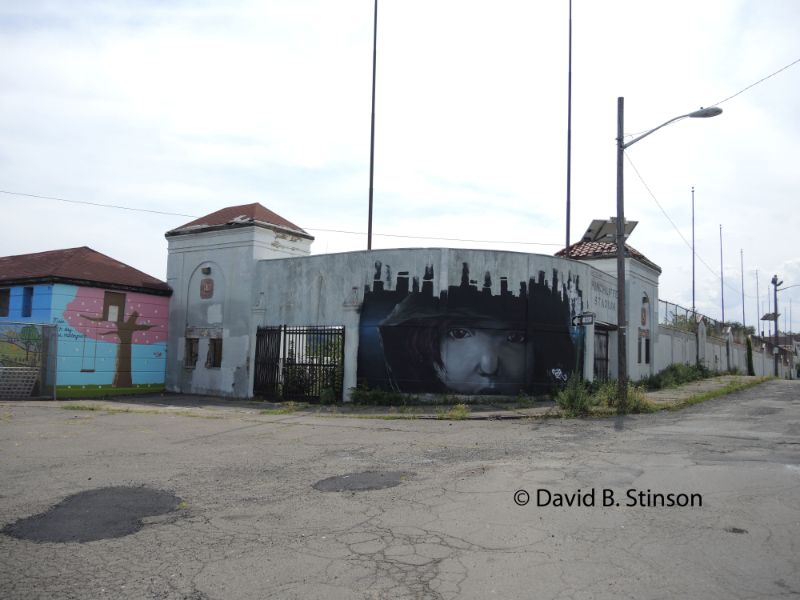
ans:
(125, 319)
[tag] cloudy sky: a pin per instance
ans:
(190, 106)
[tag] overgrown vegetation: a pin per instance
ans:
(459, 412)
(574, 398)
(285, 409)
(376, 397)
(677, 374)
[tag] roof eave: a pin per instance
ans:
(49, 279)
(262, 224)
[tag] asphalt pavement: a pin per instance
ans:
(698, 503)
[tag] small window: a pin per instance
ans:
(647, 351)
(640, 351)
(4, 301)
(113, 307)
(190, 356)
(27, 301)
(214, 358)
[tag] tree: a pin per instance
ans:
(31, 340)
(119, 315)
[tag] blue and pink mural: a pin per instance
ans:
(109, 338)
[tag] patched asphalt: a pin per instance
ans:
(100, 514)
(362, 482)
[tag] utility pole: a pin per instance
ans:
(721, 277)
(695, 324)
(759, 331)
(775, 284)
(741, 256)
(372, 125)
(569, 121)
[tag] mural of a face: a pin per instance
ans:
(466, 340)
(483, 358)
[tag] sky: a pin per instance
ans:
(187, 107)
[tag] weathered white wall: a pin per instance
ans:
(231, 256)
(678, 346)
(329, 289)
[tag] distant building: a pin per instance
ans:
(109, 320)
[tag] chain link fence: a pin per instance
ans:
(28, 353)
(684, 319)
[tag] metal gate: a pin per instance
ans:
(299, 363)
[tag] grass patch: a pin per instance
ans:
(574, 399)
(723, 391)
(104, 391)
(459, 412)
(678, 374)
(286, 409)
(81, 407)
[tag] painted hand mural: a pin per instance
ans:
(468, 340)
(125, 319)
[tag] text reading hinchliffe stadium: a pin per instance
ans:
(607, 497)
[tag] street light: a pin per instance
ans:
(775, 283)
(622, 322)
(777, 289)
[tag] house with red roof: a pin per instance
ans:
(81, 322)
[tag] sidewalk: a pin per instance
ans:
(217, 408)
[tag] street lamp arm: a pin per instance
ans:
(703, 113)
(788, 287)
(645, 134)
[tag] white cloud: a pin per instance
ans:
(191, 106)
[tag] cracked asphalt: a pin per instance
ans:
(252, 526)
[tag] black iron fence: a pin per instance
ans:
(299, 363)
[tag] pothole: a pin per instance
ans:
(362, 482)
(99, 514)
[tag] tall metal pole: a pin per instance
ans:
(741, 257)
(775, 303)
(372, 127)
(695, 324)
(759, 331)
(693, 252)
(721, 276)
(769, 310)
(622, 321)
(569, 122)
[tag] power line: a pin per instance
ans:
(685, 241)
(172, 214)
(763, 79)
(752, 85)
(117, 206)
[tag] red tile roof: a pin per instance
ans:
(588, 250)
(82, 266)
(237, 216)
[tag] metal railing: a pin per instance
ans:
(28, 353)
(684, 319)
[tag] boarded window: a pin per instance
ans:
(113, 307)
(190, 356)
(5, 295)
(214, 357)
(647, 350)
(27, 301)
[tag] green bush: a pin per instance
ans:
(574, 399)
(607, 396)
(364, 395)
(676, 374)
